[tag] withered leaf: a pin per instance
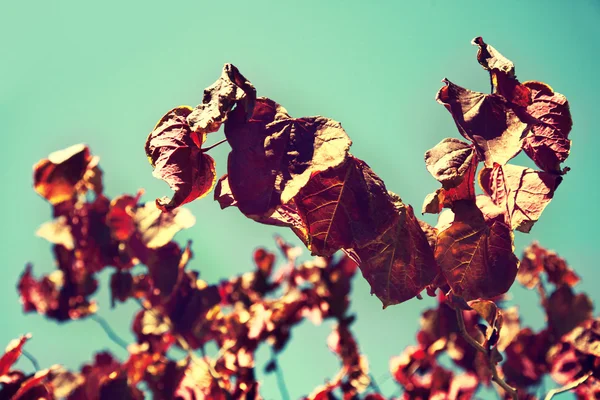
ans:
(502, 74)
(12, 353)
(57, 177)
(344, 207)
(522, 192)
(156, 228)
(586, 337)
(536, 260)
(274, 155)
(476, 256)
(231, 89)
(400, 263)
(57, 231)
(566, 310)
(547, 144)
(487, 120)
(449, 161)
(223, 193)
(511, 325)
(174, 152)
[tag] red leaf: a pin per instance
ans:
(487, 120)
(223, 193)
(12, 354)
(344, 207)
(274, 155)
(566, 310)
(399, 264)
(59, 177)
(449, 161)
(476, 256)
(547, 144)
(522, 192)
(537, 259)
(586, 337)
(173, 150)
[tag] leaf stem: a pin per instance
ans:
(285, 395)
(475, 344)
(32, 359)
(204, 150)
(109, 331)
(569, 386)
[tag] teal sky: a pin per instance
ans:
(103, 73)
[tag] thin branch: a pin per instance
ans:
(109, 331)
(285, 395)
(204, 150)
(32, 359)
(569, 386)
(495, 377)
(373, 384)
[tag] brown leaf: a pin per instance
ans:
(399, 264)
(487, 310)
(537, 259)
(487, 120)
(344, 207)
(174, 152)
(156, 228)
(476, 256)
(502, 74)
(547, 144)
(57, 178)
(57, 231)
(586, 337)
(231, 89)
(223, 193)
(522, 192)
(566, 310)
(274, 155)
(449, 161)
(511, 325)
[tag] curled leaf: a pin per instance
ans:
(58, 177)
(487, 120)
(231, 89)
(449, 161)
(523, 192)
(547, 144)
(177, 159)
(274, 155)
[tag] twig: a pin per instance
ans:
(109, 331)
(495, 377)
(374, 384)
(285, 395)
(32, 359)
(569, 386)
(204, 150)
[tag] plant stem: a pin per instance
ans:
(569, 386)
(32, 359)
(204, 150)
(110, 332)
(285, 395)
(495, 377)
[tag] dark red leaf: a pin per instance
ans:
(566, 310)
(537, 259)
(399, 264)
(223, 193)
(547, 144)
(476, 256)
(12, 354)
(485, 119)
(174, 152)
(586, 337)
(344, 207)
(522, 192)
(274, 155)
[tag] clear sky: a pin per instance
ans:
(103, 73)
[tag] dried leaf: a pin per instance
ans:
(157, 228)
(173, 150)
(57, 177)
(344, 207)
(586, 337)
(223, 193)
(449, 161)
(487, 120)
(522, 192)
(12, 353)
(274, 155)
(399, 264)
(566, 310)
(231, 89)
(537, 259)
(547, 144)
(57, 231)
(476, 256)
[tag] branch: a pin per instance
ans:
(495, 377)
(32, 359)
(109, 331)
(285, 395)
(204, 150)
(569, 386)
